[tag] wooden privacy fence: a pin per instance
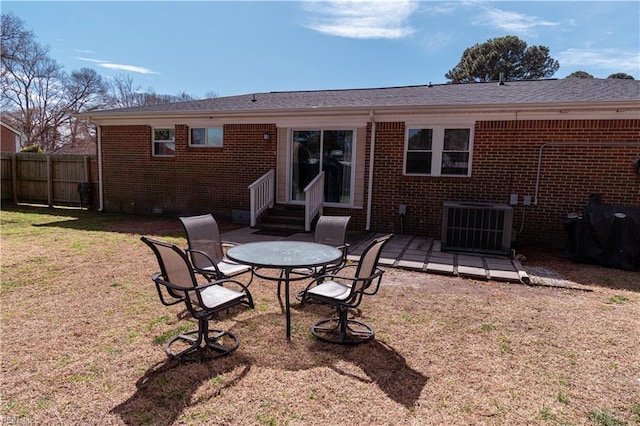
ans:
(52, 179)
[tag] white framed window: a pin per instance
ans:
(164, 142)
(206, 137)
(438, 151)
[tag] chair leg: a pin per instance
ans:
(218, 343)
(342, 330)
(221, 342)
(184, 337)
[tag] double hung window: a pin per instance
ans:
(164, 142)
(205, 137)
(438, 151)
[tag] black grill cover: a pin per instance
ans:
(605, 234)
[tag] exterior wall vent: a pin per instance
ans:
(477, 227)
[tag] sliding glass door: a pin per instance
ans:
(328, 150)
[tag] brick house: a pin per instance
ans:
(10, 138)
(392, 157)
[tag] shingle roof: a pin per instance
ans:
(531, 92)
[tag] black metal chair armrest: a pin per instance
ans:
(377, 278)
(334, 277)
(222, 282)
(173, 290)
(209, 259)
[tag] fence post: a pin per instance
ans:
(49, 180)
(14, 177)
(87, 178)
(87, 170)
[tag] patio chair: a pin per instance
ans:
(344, 291)
(207, 250)
(330, 230)
(176, 283)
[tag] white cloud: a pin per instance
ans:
(123, 67)
(362, 19)
(131, 68)
(441, 8)
(95, 61)
(437, 41)
(512, 22)
(614, 60)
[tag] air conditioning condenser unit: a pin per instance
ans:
(477, 227)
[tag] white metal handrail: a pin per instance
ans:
(262, 194)
(313, 200)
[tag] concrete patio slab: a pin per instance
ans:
(421, 254)
(408, 264)
(472, 272)
(440, 268)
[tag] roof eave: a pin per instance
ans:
(105, 117)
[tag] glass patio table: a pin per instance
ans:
(284, 256)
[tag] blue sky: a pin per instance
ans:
(239, 47)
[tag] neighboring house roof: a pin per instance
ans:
(512, 93)
(19, 133)
(12, 138)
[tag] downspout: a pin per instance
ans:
(601, 144)
(100, 185)
(371, 161)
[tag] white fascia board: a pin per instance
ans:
(359, 116)
(625, 110)
(350, 120)
(281, 118)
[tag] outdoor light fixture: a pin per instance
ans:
(266, 136)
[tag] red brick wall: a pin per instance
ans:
(505, 161)
(196, 180)
(8, 140)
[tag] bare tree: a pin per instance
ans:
(40, 98)
(37, 92)
(183, 96)
(14, 38)
(85, 90)
(31, 83)
(124, 93)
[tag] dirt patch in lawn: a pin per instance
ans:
(82, 326)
